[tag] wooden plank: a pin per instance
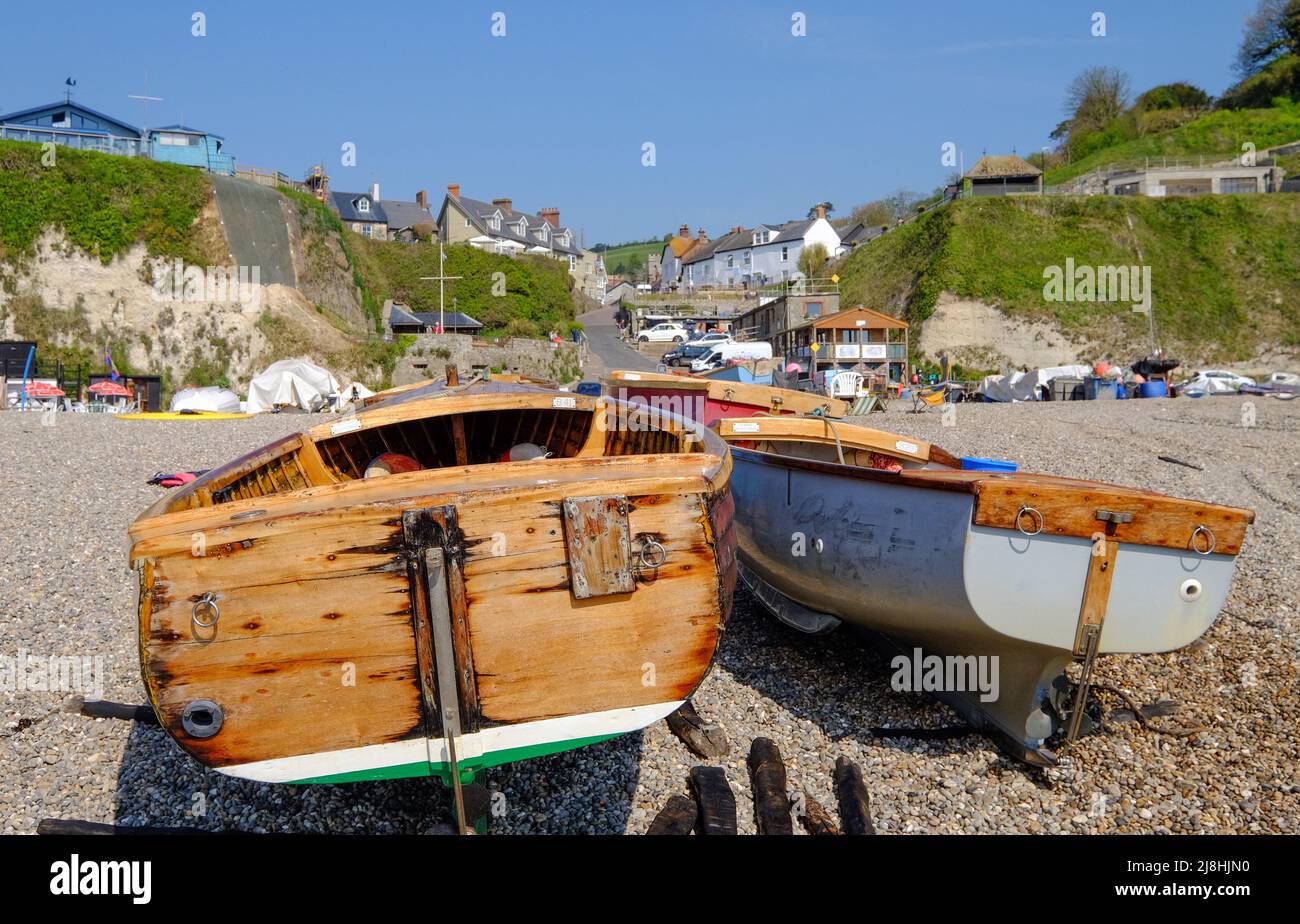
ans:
(716, 800)
(1070, 508)
(824, 432)
(855, 804)
(599, 546)
(1096, 589)
(679, 816)
(705, 739)
(767, 774)
(814, 818)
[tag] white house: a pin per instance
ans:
(768, 254)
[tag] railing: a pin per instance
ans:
(70, 138)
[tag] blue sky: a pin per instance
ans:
(750, 124)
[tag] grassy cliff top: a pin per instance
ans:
(1225, 270)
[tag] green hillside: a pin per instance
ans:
(1217, 134)
(1225, 270)
(628, 258)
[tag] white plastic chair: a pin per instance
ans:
(846, 384)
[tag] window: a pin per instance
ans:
(175, 139)
(814, 309)
(1239, 184)
(747, 258)
(363, 206)
(785, 254)
(731, 261)
(760, 237)
(573, 263)
(494, 223)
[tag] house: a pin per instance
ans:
(1210, 179)
(1003, 175)
(401, 320)
(670, 261)
(362, 212)
(697, 264)
(409, 221)
(869, 341)
(860, 234)
(618, 291)
(73, 125)
(770, 253)
(190, 147)
(497, 226)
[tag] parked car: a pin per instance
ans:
(684, 354)
(675, 356)
(722, 353)
(664, 333)
(1214, 382)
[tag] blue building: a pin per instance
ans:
(73, 125)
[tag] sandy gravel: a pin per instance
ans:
(70, 490)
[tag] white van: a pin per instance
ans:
(723, 353)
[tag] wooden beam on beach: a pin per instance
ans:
(678, 816)
(706, 739)
(855, 804)
(767, 773)
(716, 800)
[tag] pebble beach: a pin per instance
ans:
(1225, 759)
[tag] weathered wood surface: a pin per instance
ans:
(776, 400)
(705, 739)
(716, 801)
(851, 791)
(824, 432)
(767, 774)
(1096, 589)
(599, 545)
(104, 709)
(814, 818)
(678, 816)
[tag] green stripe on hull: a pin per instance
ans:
(468, 767)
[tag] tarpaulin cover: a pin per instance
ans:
(1027, 386)
(209, 398)
(291, 383)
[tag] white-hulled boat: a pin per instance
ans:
(839, 523)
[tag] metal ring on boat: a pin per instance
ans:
(1033, 511)
(1207, 531)
(202, 718)
(653, 554)
(206, 604)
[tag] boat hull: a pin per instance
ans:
(308, 619)
(909, 564)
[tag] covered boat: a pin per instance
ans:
(1007, 573)
(535, 571)
(708, 399)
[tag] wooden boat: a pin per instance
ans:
(838, 523)
(300, 622)
(706, 399)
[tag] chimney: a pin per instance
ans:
(704, 236)
(504, 203)
(553, 216)
(821, 211)
(453, 190)
(374, 191)
(422, 198)
(684, 231)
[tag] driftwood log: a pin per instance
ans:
(103, 709)
(815, 819)
(851, 790)
(706, 739)
(767, 773)
(679, 816)
(716, 800)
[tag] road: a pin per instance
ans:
(606, 350)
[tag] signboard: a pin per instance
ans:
(873, 350)
(847, 351)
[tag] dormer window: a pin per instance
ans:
(363, 206)
(761, 237)
(522, 227)
(494, 223)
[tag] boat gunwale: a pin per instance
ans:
(717, 389)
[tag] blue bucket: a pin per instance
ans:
(1156, 389)
(1095, 387)
(975, 464)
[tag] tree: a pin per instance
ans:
(813, 260)
(812, 212)
(1271, 31)
(1095, 99)
(1173, 96)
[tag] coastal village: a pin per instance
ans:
(959, 511)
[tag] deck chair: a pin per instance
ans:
(924, 399)
(847, 384)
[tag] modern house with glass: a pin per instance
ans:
(73, 125)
